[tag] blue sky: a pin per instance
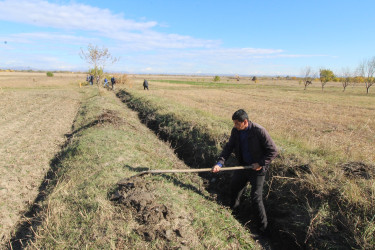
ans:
(191, 37)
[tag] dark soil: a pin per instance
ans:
(109, 116)
(154, 220)
(358, 170)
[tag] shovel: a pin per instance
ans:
(163, 171)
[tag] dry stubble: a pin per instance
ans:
(330, 122)
(32, 124)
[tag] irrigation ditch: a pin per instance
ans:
(292, 204)
(197, 150)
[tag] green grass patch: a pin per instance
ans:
(203, 84)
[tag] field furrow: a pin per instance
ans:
(33, 125)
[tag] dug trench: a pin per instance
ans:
(197, 150)
(286, 193)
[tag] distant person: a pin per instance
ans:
(145, 84)
(113, 81)
(106, 83)
(91, 80)
(254, 147)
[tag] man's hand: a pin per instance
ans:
(215, 169)
(256, 166)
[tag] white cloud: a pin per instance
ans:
(76, 25)
(150, 40)
(100, 22)
(71, 16)
(103, 23)
(217, 53)
(49, 37)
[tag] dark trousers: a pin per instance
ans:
(238, 186)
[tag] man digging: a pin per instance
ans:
(253, 147)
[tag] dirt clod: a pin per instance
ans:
(155, 220)
(358, 170)
(109, 116)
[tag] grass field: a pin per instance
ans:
(34, 116)
(320, 192)
(324, 177)
(338, 124)
(108, 142)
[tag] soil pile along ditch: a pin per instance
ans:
(155, 221)
(358, 170)
(300, 214)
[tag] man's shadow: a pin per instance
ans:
(172, 177)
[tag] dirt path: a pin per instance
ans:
(33, 123)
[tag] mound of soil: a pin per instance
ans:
(155, 221)
(109, 116)
(358, 170)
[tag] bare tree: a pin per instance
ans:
(97, 58)
(307, 76)
(366, 70)
(346, 78)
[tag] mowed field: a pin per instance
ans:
(339, 125)
(323, 129)
(323, 178)
(35, 114)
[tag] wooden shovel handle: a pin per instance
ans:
(198, 170)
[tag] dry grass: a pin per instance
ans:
(78, 214)
(329, 122)
(324, 129)
(33, 121)
(124, 79)
(316, 130)
(36, 80)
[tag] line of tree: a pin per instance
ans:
(99, 57)
(363, 74)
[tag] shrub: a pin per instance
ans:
(122, 79)
(49, 74)
(216, 78)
